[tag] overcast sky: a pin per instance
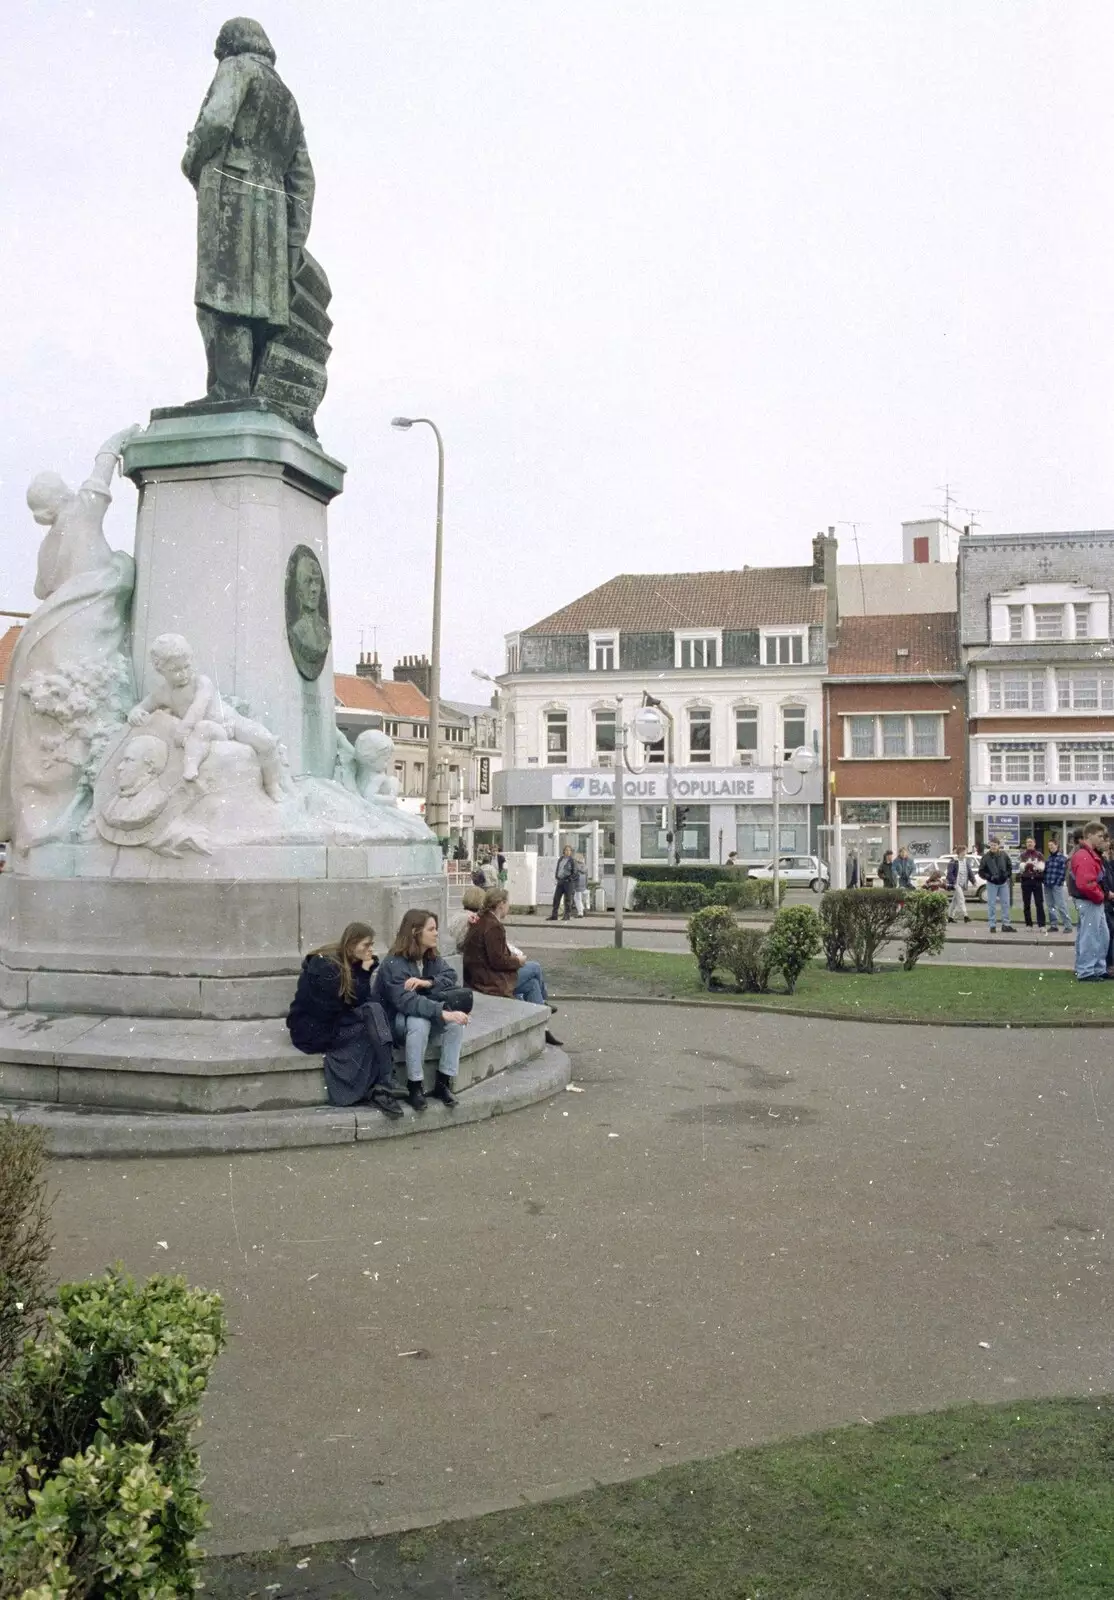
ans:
(682, 281)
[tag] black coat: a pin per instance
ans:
(319, 1007)
(395, 998)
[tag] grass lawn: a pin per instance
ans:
(930, 994)
(1010, 1502)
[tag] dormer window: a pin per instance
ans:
(784, 647)
(603, 652)
(1049, 613)
(695, 649)
(1049, 622)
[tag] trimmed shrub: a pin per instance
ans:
(665, 873)
(764, 892)
(792, 941)
(744, 953)
(707, 931)
(670, 897)
(925, 920)
(876, 915)
(25, 1236)
(99, 1483)
(739, 892)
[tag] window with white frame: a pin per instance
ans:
(603, 652)
(695, 650)
(784, 649)
(1082, 614)
(700, 736)
(1015, 690)
(1049, 622)
(1084, 689)
(1016, 763)
(794, 724)
(746, 730)
(1086, 763)
(556, 738)
(894, 736)
(1016, 616)
(603, 725)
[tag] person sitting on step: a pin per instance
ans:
(333, 1014)
(492, 966)
(412, 983)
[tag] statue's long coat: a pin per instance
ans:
(248, 161)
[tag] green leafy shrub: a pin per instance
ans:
(837, 925)
(25, 1236)
(99, 1483)
(738, 892)
(668, 873)
(670, 897)
(764, 892)
(745, 954)
(792, 941)
(925, 922)
(707, 932)
(875, 916)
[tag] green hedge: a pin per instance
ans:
(99, 1481)
(668, 874)
(739, 893)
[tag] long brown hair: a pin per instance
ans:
(408, 941)
(340, 954)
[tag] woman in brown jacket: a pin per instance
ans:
(490, 967)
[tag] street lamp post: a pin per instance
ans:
(803, 761)
(432, 813)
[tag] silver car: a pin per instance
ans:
(796, 872)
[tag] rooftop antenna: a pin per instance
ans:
(855, 526)
(972, 514)
(947, 490)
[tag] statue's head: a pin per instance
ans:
(46, 495)
(243, 36)
(144, 758)
(172, 659)
(307, 583)
(374, 749)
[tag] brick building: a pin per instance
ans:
(896, 734)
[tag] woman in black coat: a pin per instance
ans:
(334, 1015)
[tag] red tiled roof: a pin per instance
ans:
(648, 602)
(7, 645)
(868, 646)
(391, 698)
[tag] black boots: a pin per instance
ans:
(443, 1091)
(415, 1093)
(551, 1038)
(383, 1100)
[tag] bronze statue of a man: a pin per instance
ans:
(248, 161)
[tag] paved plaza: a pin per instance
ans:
(741, 1227)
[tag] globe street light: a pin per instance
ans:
(803, 761)
(432, 815)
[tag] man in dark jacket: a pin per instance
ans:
(903, 869)
(566, 883)
(1032, 883)
(997, 871)
(1086, 887)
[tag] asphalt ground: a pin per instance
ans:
(742, 1227)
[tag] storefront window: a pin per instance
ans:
(653, 846)
(691, 839)
(924, 827)
(754, 831)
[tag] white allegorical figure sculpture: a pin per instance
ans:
(374, 750)
(202, 718)
(70, 680)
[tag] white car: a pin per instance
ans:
(796, 872)
(923, 869)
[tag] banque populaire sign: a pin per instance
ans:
(1058, 801)
(730, 786)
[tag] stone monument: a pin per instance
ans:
(184, 819)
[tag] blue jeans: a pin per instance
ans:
(1057, 898)
(414, 1033)
(1091, 939)
(998, 899)
(531, 984)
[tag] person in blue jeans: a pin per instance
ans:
(1089, 892)
(492, 966)
(412, 983)
(1056, 888)
(997, 871)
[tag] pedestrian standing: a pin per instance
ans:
(958, 878)
(1085, 885)
(1032, 883)
(1056, 889)
(565, 876)
(997, 871)
(886, 871)
(580, 888)
(903, 869)
(1108, 890)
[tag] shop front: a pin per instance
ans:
(1013, 815)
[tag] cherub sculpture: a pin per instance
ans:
(194, 700)
(374, 750)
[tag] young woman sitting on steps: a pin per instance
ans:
(413, 984)
(334, 1015)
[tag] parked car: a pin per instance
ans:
(797, 872)
(923, 869)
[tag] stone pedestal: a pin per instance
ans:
(225, 498)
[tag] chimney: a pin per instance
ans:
(369, 667)
(825, 548)
(415, 670)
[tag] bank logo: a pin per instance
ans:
(576, 786)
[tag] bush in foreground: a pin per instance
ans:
(792, 941)
(99, 1482)
(925, 921)
(858, 922)
(25, 1236)
(744, 952)
(708, 932)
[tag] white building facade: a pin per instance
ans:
(1035, 627)
(736, 659)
